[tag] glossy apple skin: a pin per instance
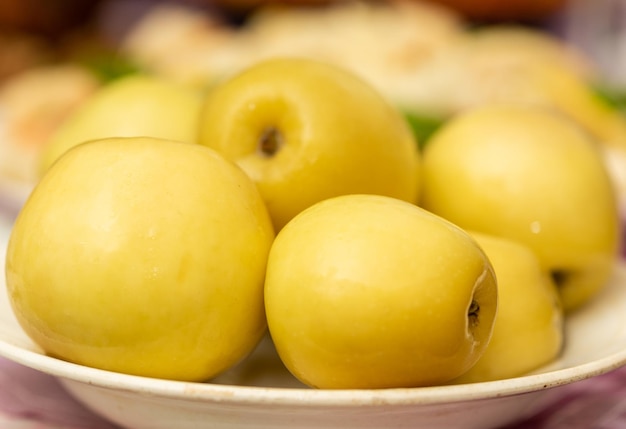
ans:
(528, 330)
(339, 136)
(532, 176)
(367, 291)
(132, 106)
(129, 256)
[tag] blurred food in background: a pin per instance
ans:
(432, 59)
(35, 103)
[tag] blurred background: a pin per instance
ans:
(431, 58)
(36, 31)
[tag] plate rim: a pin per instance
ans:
(311, 398)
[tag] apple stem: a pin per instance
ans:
(270, 142)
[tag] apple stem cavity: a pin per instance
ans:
(270, 141)
(472, 313)
(559, 277)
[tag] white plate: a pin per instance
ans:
(260, 393)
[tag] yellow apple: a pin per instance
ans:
(368, 291)
(305, 131)
(142, 256)
(533, 176)
(132, 106)
(528, 330)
